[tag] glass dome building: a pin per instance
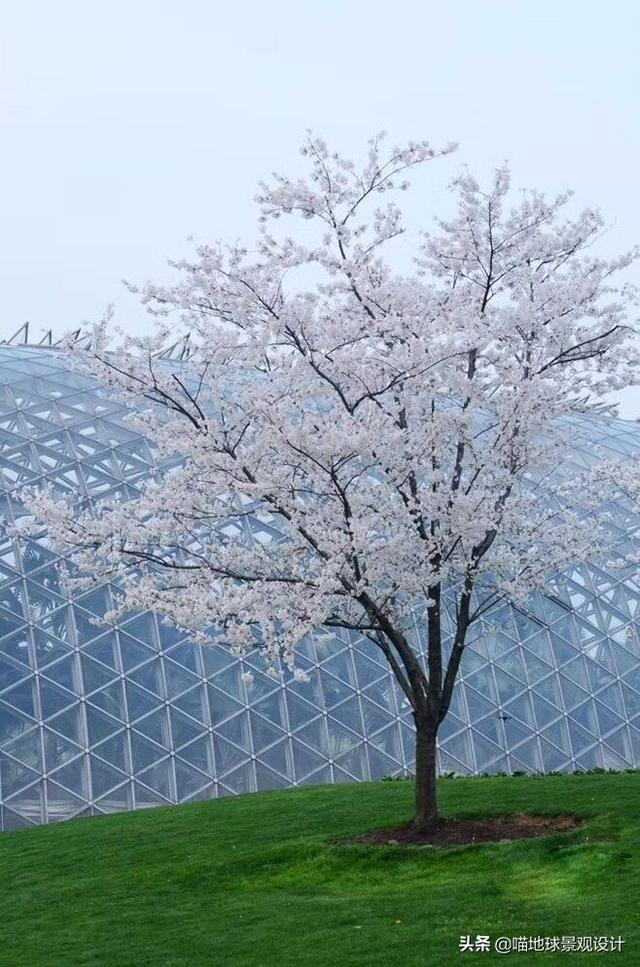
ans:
(96, 718)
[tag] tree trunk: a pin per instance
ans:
(426, 793)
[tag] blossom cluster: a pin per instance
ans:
(335, 452)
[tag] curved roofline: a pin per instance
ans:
(48, 340)
(179, 350)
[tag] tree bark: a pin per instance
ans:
(426, 793)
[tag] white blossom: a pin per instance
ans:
(391, 440)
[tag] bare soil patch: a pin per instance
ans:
(464, 832)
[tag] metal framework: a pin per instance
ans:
(177, 351)
(95, 718)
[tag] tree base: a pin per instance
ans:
(465, 832)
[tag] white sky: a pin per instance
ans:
(127, 126)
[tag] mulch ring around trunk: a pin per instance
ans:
(465, 832)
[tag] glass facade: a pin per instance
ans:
(96, 719)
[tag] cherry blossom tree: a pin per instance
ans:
(401, 433)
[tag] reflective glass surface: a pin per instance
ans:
(97, 719)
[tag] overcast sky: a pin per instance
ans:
(127, 126)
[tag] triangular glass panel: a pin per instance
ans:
(314, 735)
(29, 803)
(9, 623)
(41, 602)
(103, 649)
(619, 742)
(272, 708)
(68, 724)
(490, 757)
(626, 662)
(227, 755)
(527, 756)
(611, 759)
(54, 699)
(115, 751)
(479, 706)
(150, 677)
(349, 714)
(215, 659)
(111, 699)
(183, 728)
(147, 797)
(242, 780)
(96, 601)
(103, 777)
(160, 778)
(73, 776)
(305, 759)
(11, 600)
(341, 740)
(139, 701)
(552, 758)
(58, 624)
(521, 710)
(387, 741)
(238, 731)
(355, 763)
(580, 738)
(383, 693)
(185, 655)
(178, 680)
(335, 691)
(63, 673)
(20, 743)
(144, 753)
(99, 725)
(142, 627)
(21, 697)
(268, 778)
(491, 728)
(35, 556)
(589, 759)
(57, 750)
(10, 674)
(261, 690)
(544, 711)
(134, 652)
(87, 625)
(14, 776)
(558, 734)
(229, 681)
(514, 732)
(156, 727)
(458, 748)
(607, 720)
(320, 777)
(222, 705)
(47, 648)
(631, 700)
(199, 754)
(612, 698)
(585, 715)
(450, 726)
(312, 690)
(299, 711)
(194, 703)
(15, 646)
(264, 733)
(188, 780)
(340, 666)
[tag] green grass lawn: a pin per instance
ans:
(254, 881)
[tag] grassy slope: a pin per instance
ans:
(251, 881)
